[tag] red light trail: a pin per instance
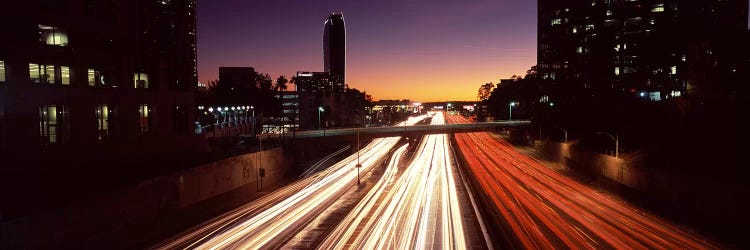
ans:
(545, 209)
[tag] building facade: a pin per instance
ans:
(100, 77)
(313, 88)
(289, 120)
(334, 50)
(654, 49)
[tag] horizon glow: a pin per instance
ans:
(419, 50)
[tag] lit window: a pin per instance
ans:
(556, 21)
(140, 81)
(609, 12)
(34, 72)
(65, 75)
(617, 71)
(95, 78)
(579, 50)
(2, 71)
(51, 124)
(102, 121)
(673, 70)
(52, 36)
(43, 73)
(575, 30)
(589, 26)
(593, 3)
(658, 8)
(144, 121)
(49, 74)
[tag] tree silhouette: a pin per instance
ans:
(281, 84)
(485, 91)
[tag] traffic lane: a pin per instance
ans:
(263, 228)
(345, 231)
(200, 233)
(250, 234)
(583, 208)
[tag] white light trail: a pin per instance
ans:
(283, 217)
(421, 202)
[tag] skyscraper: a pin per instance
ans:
(334, 50)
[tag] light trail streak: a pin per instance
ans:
(283, 214)
(363, 208)
(544, 209)
(420, 210)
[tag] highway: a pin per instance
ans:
(541, 208)
(268, 221)
(418, 208)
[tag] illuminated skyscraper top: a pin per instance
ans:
(334, 48)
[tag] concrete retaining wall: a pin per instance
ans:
(209, 180)
(709, 205)
(78, 222)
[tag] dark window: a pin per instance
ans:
(180, 118)
(101, 10)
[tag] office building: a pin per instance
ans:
(313, 89)
(96, 78)
(289, 119)
(334, 50)
(654, 49)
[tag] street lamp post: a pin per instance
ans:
(565, 132)
(615, 138)
(358, 164)
(320, 109)
(247, 108)
(253, 108)
(510, 110)
(261, 171)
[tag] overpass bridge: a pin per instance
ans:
(406, 131)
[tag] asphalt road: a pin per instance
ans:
(417, 207)
(540, 208)
(273, 218)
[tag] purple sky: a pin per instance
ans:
(425, 50)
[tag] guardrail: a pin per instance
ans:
(398, 130)
(224, 129)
